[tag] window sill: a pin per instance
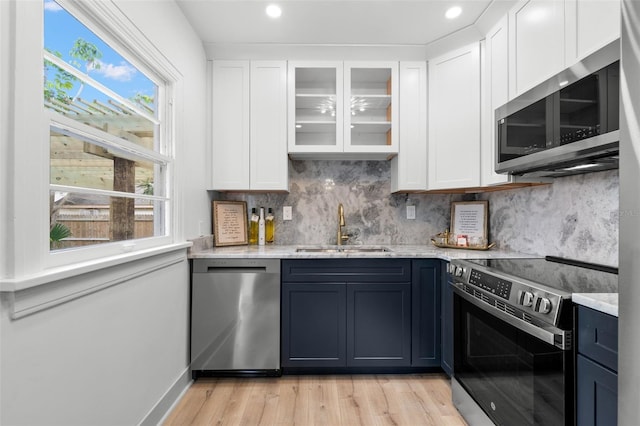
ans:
(61, 273)
(54, 287)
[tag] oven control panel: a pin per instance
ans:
(490, 283)
(524, 296)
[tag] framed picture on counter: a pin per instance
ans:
(229, 223)
(469, 223)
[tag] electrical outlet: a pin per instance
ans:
(411, 212)
(287, 213)
(201, 228)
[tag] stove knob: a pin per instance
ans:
(459, 271)
(525, 298)
(543, 305)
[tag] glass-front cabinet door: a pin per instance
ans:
(338, 108)
(371, 107)
(315, 107)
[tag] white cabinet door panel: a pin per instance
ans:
(268, 158)
(230, 125)
(537, 43)
(590, 25)
(409, 167)
(495, 93)
(454, 119)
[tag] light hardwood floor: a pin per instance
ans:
(319, 400)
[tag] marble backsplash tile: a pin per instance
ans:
(373, 215)
(576, 217)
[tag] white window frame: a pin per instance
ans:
(27, 247)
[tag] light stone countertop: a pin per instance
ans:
(395, 251)
(604, 302)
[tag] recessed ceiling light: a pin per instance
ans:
(453, 12)
(274, 11)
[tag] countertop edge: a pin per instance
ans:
(395, 251)
(603, 302)
(606, 303)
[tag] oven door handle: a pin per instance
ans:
(551, 335)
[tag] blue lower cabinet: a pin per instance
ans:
(597, 396)
(378, 324)
(313, 325)
(447, 322)
(425, 299)
(346, 314)
(596, 368)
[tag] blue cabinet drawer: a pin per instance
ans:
(598, 337)
(347, 270)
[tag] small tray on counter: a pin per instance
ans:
(442, 245)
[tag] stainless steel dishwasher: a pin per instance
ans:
(235, 317)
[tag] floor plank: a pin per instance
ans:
(396, 400)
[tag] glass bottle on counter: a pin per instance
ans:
(253, 227)
(269, 223)
(261, 228)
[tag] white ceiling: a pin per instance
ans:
(378, 22)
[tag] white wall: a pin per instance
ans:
(103, 359)
(167, 28)
(4, 133)
(110, 357)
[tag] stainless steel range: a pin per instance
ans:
(513, 337)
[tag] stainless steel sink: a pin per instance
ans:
(365, 249)
(317, 250)
(343, 249)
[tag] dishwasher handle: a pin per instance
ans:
(237, 270)
(236, 266)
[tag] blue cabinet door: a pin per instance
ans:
(313, 326)
(425, 295)
(447, 322)
(597, 394)
(378, 324)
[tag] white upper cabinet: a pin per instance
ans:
(537, 43)
(409, 167)
(590, 25)
(454, 119)
(268, 159)
(315, 107)
(495, 92)
(370, 103)
(343, 110)
(230, 125)
(249, 126)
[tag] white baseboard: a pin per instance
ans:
(169, 400)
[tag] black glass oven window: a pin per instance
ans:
(526, 131)
(516, 378)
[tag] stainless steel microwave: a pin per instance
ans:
(565, 126)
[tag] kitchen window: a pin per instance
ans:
(109, 136)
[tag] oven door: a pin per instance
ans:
(514, 377)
